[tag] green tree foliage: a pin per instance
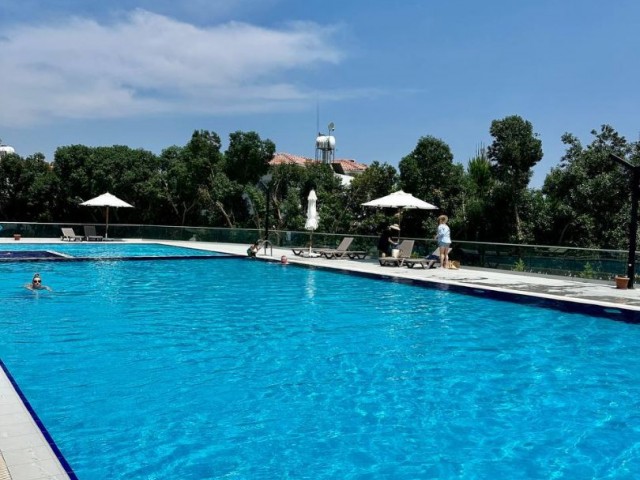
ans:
(513, 154)
(290, 189)
(334, 217)
(476, 199)
(584, 201)
(222, 200)
(536, 217)
(589, 194)
(73, 168)
(285, 196)
(429, 173)
(254, 200)
(85, 172)
(129, 173)
(27, 189)
(248, 156)
(376, 181)
(186, 172)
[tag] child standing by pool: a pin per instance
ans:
(443, 236)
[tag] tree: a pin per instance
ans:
(589, 194)
(73, 172)
(376, 181)
(513, 154)
(285, 197)
(429, 173)
(334, 217)
(247, 158)
(186, 173)
(222, 199)
(127, 173)
(26, 188)
(474, 211)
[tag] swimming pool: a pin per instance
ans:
(98, 250)
(249, 369)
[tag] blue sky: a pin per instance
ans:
(148, 73)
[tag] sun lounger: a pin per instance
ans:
(431, 261)
(425, 263)
(91, 235)
(405, 248)
(338, 252)
(352, 254)
(69, 235)
(357, 254)
(342, 252)
(307, 252)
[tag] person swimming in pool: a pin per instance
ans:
(36, 283)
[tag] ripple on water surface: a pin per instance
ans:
(237, 368)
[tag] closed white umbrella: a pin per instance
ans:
(312, 216)
(106, 200)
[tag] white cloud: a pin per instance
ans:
(146, 63)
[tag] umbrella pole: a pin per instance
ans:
(310, 242)
(106, 228)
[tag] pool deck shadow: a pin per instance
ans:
(26, 451)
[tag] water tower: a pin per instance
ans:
(5, 150)
(326, 146)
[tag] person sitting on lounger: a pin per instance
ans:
(36, 283)
(387, 240)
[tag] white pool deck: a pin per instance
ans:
(25, 453)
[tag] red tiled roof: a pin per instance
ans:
(349, 165)
(281, 158)
(344, 164)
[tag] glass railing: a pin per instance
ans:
(542, 259)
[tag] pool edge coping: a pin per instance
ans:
(40, 429)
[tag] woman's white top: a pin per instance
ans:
(444, 233)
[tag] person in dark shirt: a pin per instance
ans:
(388, 240)
(252, 251)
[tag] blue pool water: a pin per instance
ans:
(244, 369)
(105, 249)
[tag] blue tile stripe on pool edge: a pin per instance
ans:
(610, 312)
(63, 461)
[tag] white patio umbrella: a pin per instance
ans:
(402, 201)
(106, 200)
(312, 216)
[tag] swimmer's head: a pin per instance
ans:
(284, 259)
